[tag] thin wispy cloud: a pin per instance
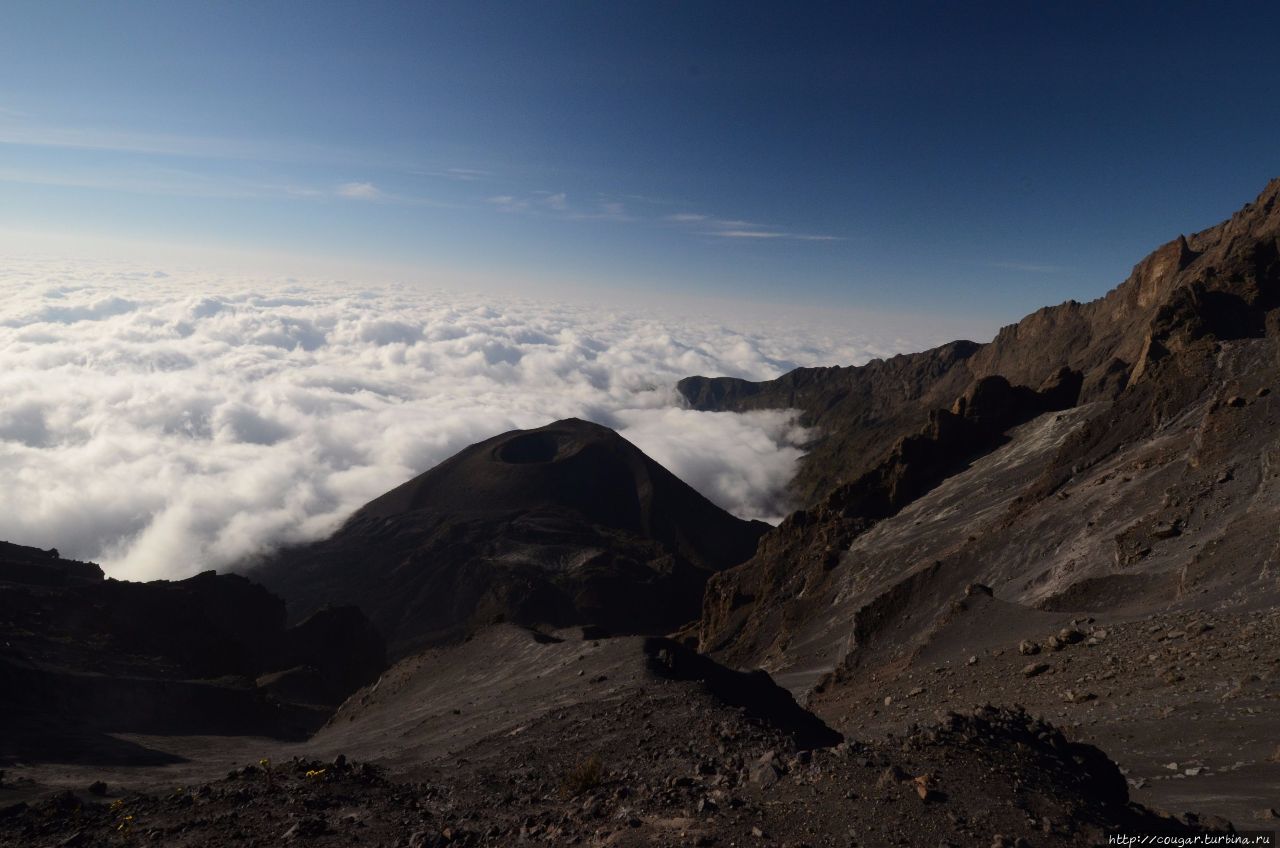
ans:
(733, 228)
(27, 134)
(466, 175)
(558, 201)
(608, 208)
(21, 130)
(360, 191)
(507, 203)
(743, 234)
(559, 205)
(768, 234)
(161, 182)
(158, 182)
(368, 192)
(614, 210)
(197, 180)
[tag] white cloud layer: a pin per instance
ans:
(162, 424)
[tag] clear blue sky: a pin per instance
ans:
(981, 158)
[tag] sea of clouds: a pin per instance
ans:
(164, 423)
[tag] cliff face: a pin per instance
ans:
(1218, 282)
(860, 411)
(1169, 357)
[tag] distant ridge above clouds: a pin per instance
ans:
(162, 422)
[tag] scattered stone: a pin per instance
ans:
(1236, 401)
(924, 787)
(1070, 636)
(422, 839)
(98, 788)
(765, 772)
(1028, 648)
(892, 775)
(971, 661)
(1034, 669)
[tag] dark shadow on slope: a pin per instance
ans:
(754, 692)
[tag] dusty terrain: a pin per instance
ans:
(565, 740)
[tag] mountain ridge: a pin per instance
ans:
(860, 411)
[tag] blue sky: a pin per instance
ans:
(975, 159)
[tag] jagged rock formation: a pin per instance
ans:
(859, 411)
(83, 655)
(1216, 284)
(746, 609)
(1138, 480)
(566, 524)
(1150, 353)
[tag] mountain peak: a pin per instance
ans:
(564, 524)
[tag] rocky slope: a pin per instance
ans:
(1148, 496)
(518, 737)
(1180, 356)
(566, 524)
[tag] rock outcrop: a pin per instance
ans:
(1190, 336)
(1218, 284)
(83, 656)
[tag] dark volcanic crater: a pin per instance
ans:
(566, 524)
